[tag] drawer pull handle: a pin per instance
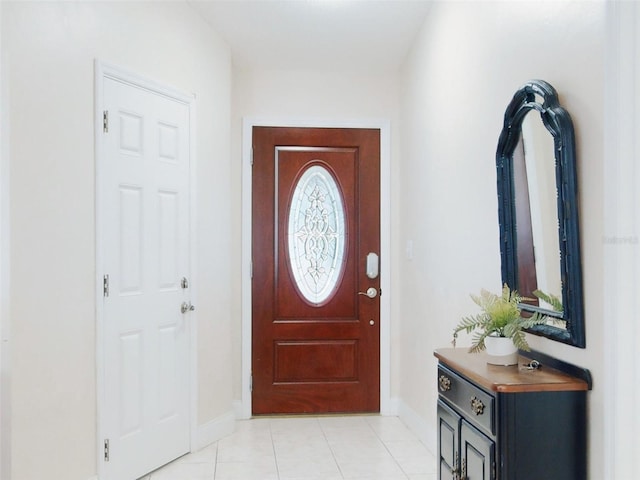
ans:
(445, 383)
(477, 406)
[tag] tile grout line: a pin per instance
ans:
(333, 455)
(215, 462)
(387, 449)
(273, 447)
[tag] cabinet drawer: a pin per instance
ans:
(475, 404)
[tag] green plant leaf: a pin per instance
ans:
(520, 341)
(500, 315)
(552, 300)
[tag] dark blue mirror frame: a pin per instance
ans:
(540, 96)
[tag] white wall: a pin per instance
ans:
(4, 273)
(446, 113)
(464, 68)
(51, 49)
(305, 95)
(621, 241)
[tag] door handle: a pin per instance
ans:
(371, 292)
(187, 307)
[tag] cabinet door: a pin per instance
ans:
(477, 454)
(448, 441)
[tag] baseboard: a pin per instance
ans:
(215, 429)
(418, 425)
(242, 412)
(390, 407)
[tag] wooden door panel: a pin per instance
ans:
(290, 165)
(334, 360)
(315, 354)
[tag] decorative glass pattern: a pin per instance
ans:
(316, 234)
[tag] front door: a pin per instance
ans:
(315, 259)
(143, 211)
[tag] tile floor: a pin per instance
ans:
(368, 447)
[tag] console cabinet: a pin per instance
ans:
(510, 423)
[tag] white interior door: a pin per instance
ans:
(143, 208)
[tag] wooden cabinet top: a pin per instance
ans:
(511, 379)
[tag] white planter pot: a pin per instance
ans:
(501, 351)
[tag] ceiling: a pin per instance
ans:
(327, 35)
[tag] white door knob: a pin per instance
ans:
(371, 292)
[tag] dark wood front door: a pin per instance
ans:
(315, 246)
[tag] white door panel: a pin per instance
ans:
(145, 215)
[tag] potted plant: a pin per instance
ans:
(500, 325)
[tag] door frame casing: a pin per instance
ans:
(244, 409)
(103, 70)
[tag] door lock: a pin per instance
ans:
(187, 307)
(371, 292)
(372, 265)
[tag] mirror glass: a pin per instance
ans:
(538, 210)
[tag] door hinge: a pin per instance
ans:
(251, 383)
(251, 157)
(250, 269)
(105, 121)
(105, 286)
(106, 450)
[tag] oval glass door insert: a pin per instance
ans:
(316, 234)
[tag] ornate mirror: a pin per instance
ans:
(538, 211)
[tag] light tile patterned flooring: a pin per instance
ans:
(368, 447)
